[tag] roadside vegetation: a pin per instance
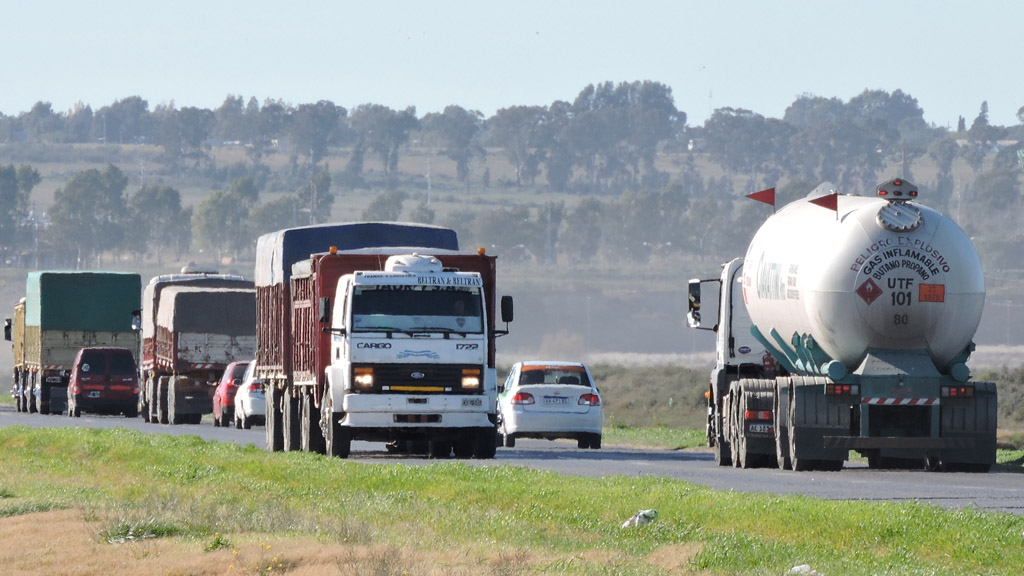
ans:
(176, 504)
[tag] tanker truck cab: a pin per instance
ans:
(409, 358)
(737, 353)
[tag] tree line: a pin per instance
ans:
(604, 146)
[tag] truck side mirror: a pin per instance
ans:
(324, 310)
(7, 328)
(693, 314)
(693, 304)
(506, 309)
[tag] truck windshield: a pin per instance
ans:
(417, 309)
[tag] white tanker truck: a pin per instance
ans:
(848, 326)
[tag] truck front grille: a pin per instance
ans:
(418, 378)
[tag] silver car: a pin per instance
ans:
(250, 403)
(550, 400)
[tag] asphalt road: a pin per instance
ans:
(997, 491)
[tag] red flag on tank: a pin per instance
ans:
(831, 202)
(766, 196)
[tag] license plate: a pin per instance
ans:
(556, 401)
(762, 429)
(94, 394)
(472, 402)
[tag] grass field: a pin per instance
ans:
(75, 501)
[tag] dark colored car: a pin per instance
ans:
(104, 380)
(224, 395)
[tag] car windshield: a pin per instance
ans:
(417, 308)
(573, 375)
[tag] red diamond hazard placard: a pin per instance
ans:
(869, 291)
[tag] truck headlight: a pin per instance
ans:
(471, 378)
(362, 377)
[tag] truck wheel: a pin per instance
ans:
(19, 398)
(595, 442)
(275, 438)
(30, 395)
(73, 408)
(780, 410)
(290, 428)
(722, 450)
(44, 398)
(144, 410)
(798, 464)
(463, 448)
(338, 443)
(172, 413)
(439, 449)
(486, 444)
(510, 440)
(312, 436)
(161, 397)
(740, 458)
(337, 438)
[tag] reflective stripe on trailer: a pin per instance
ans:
(53, 367)
(202, 366)
(900, 401)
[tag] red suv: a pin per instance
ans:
(224, 395)
(104, 380)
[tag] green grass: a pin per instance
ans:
(156, 486)
(656, 437)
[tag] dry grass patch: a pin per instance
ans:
(70, 543)
(673, 558)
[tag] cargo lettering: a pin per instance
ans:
(449, 280)
(904, 252)
(374, 345)
(770, 282)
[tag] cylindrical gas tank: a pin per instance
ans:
(872, 274)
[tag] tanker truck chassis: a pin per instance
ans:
(849, 331)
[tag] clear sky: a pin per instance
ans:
(756, 54)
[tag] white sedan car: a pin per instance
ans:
(250, 402)
(550, 400)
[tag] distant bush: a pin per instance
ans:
(660, 395)
(1010, 385)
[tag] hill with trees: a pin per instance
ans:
(606, 196)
